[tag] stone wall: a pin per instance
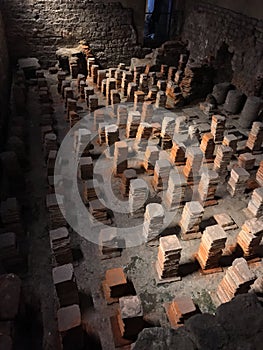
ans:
(233, 39)
(39, 27)
(252, 8)
(138, 7)
(4, 81)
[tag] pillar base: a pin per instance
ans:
(160, 280)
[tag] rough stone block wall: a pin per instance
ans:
(39, 27)
(5, 78)
(207, 27)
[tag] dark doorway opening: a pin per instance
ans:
(158, 18)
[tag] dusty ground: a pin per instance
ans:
(138, 262)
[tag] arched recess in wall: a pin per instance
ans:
(223, 64)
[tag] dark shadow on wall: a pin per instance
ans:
(223, 64)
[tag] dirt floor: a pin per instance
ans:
(138, 262)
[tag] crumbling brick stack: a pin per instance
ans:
(50, 143)
(82, 90)
(255, 138)
(143, 135)
(259, 175)
(137, 197)
(98, 213)
(122, 116)
(88, 91)
(180, 310)
(208, 146)
(80, 78)
(61, 76)
(115, 100)
(127, 176)
(74, 118)
(101, 76)
(69, 327)
(175, 194)
(218, 128)
(250, 236)
(116, 283)
(161, 174)
(246, 161)
(71, 107)
(139, 97)
(174, 95)
(191, 219)
(94, 73)
(169, 254)
(112, 136)
(181, 126)
(153, 223)
(109, 243)
(120, 158)
(211, 247)
(151, 156)
(85, 170)
(82, 142)
(237, 280)
(110, 85)
(93, 103)
(237, 183)
(161, 99)
(207, 187)
(118, 76)
(193, 164)
(134, 119)
(130, 316)
(143, 83)
(132, 88)
(99, 119)
(55, 207)
(65, 84)
(147, 112)
(177, 155)
(60, 246)
(126, 79)
(65, 283)
(222, 160)
(68, 94)
(167, 132)
(230, 140)
(255, 205)
(91, 190)
(51, 160)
